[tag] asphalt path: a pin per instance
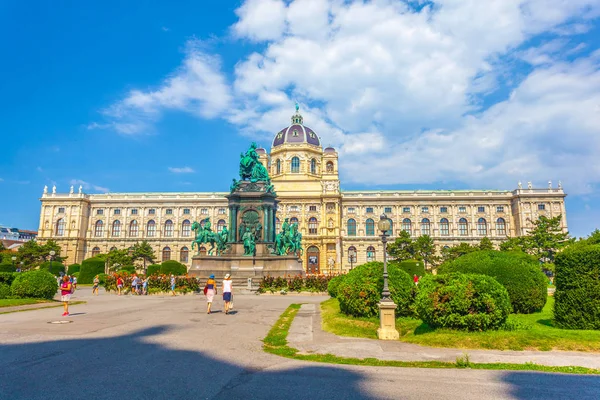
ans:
(169, 348)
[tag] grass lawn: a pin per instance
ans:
(20, 302)
(528, 332)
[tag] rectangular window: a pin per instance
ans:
(61, 210)
(186, 211)
(151, 211)
(134, 211)
(312, 208)
(369, 210)
(462, 209)
(387, 210)
(293, 208)
(424, 209)
(444, 209)
(541, 207)
(500, 209)
(169, 211)
(481, 209)
(204, 211)
(351, 210)
(99, 211)
(221, 211)
(117, 211)
(406, 209)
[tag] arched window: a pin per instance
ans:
(166, 254)
(352, 254)
(425, 227)
(278, 166)
(370, 253)
(370, 227)
(351, 227)
(277, 225)
(407, 225)
(329, 166)
(202, 251)
(133, 228)
(95, 251)
(313, 166)
(312, 226)
(168, 228)
(116, 228)
(463, 227)
(113, 248)
(295, 165)
(500, 227)
(151, 229)
(60, 227)
(184, 254)
(444, 227)
(186, 228)
(99, 229)
(293, 220)
(220, 225)
(481, 227)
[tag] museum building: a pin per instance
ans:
(339, 227)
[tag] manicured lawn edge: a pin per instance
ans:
(58, 304)
(22, 302)
(276, 343)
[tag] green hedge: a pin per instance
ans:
(128, 268)
(577, 280)
(462, 301)
(71, 269)
(7, 277)
(412, 267)
(39, 284)
(90, 268)
(7, 268)
(5, 291)
(334, 284)
(56, 269)
(75, 275)
(153, 269)
(518, 272)
(173, 267)
(360, 291)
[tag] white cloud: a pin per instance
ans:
(89, 186)
(181, 170)
(261, 19)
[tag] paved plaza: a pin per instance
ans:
(169, 348)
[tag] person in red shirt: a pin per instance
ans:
(416, 280)
(119, 284)
(65, 294)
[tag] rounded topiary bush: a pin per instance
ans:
(577, 294)
(173, 267)
(4, 291)
(333, 285)
(519, 273)
(54, 267)
(7, 268)
(153, 269)
(360, 291)
(128, 268)
(412, 267)
(39, 284)
(90, 268)
(71, 269)
(462, 301)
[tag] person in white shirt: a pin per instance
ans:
(227, 292)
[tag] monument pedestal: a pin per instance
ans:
(387, 321)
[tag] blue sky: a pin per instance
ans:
(127, 96)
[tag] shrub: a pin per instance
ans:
(462, 301)
(128, 268)
(7, 277)
(333, 285)
(75, 275)
(71, 269)
(90, 268)
(39, 284)
(153, 269)
(4, 291)
(518, 272)
(54, 267)
(412, 267)
(173, 267)
(7, 268)
(101, 278)
(577, 283)
(360, 291)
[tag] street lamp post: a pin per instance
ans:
(387, 308)
(52, 253)
(352, 256)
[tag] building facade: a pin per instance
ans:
(339, 227)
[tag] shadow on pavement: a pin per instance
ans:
(132, 367)
(544, 386)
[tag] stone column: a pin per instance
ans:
(387, 321)
(233, 223)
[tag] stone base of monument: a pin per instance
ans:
(241, 268)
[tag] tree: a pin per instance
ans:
(515, 244)
(486, 244)
(143, 251)
(424, 250)
(118, 258)
(547, 237)
(33, 254)
(402, 248)
(452, 253)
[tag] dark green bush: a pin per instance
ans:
(153, 269)
(360, 291)
(101, 278)
(333, 285)
(128, 268)
(173, 267)
(56, 268)
(7, 277)
(4, 291)
(71, 269)
(518, 272)
(39, 284)
(462, 301)
(90, 268)
(7, 268)
(577, 280)
(412, 267)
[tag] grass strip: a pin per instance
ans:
(276, 343)
(58, 304)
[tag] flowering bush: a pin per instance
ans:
(156, 283)
(297, 283)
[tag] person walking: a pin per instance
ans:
(119, 285)
(227, 292)
(210, 290)
(96, 285)
(145, 286)
(65, 294)
(416, 280)
(172, 285)
(74, 283)
(134, 283)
